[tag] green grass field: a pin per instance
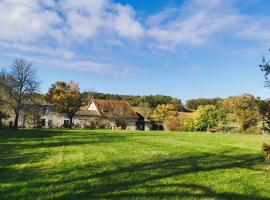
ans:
(62, 164)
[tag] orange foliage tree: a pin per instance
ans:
(65, 98)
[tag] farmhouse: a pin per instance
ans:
(108, 114)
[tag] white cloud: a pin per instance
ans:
(30, 20)
(45, 50)
(49, 27)
(200, 21)
(125, 24)
(26, 21)
(53, 28)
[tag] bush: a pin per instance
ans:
(90, 124)
(266, 150)
(253, 130)
(97, 124)
(188, 125)
(173, 123)
(209, 117)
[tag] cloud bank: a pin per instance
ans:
(51, 28)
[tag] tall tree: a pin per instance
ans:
(66, 98)
(209, 117)
(243, 109)
(17, 86)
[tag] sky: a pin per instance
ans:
(181, 48)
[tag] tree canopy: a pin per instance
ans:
(65, 98)
(209, 116)
(195, 103)
(243, 109)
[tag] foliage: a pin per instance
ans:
(18, 85)
(253, 130)
(266, 150)
(195, 103)
(144, 109)
(188, 125)
(173, 123)
(243, 109)
(264, 107)
(66, 98)
(209, 116)
(265, 67)
(163, 111)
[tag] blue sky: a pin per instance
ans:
(182, 48)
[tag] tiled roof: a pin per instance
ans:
(87, 113)
(115, 109)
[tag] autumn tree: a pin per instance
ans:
(65, 98)
(173, 123)
(264, 107)
(18, 85)
(163, 111)
(209, 117)
(243, 109)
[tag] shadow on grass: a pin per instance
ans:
(22, 146)
(156, 179)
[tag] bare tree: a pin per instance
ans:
(18, 86)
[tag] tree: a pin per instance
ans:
(18, 85)
(178, 106)
(195, 103)
(244, 110)
(265, 67)
(188, 124)
(173, 123)
(264, 106)
(65, 98)
(209, 116)
(163, 111)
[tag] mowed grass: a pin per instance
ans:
(77, 164)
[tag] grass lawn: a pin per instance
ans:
(76, 164)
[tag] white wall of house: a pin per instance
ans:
(54, 120)
(130, 124)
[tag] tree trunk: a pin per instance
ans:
(70, 122)
(16, 121)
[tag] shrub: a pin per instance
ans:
(266, 150)
(173, 123)
(90, 124)
(253, 130)
(97, 124)
(188, 125)
(209, 117)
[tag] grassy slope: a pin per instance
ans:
(74, 164)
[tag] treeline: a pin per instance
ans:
(195, 103)
(243, 114)
(150, 101)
